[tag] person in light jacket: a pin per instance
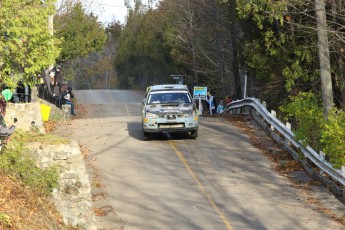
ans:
(210, 102)
(220, 107)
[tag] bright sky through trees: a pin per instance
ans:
(108, 10)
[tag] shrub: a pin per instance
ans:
(308, 118)
(333, 138)
(313, 130)
(15, 162)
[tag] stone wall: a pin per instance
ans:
(28, 115)
(73, 196)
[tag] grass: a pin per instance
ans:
(48, 139)
(5, 221)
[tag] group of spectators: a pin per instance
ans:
(213, 106)
(55, 87)
(49, 82)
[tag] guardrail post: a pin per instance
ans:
(343, 169)
(274, 113)
(322, 156)
(288, 125)
(246, 110)
(264, 104)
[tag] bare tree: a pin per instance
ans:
(325, 66)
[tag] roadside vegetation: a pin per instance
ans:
(25, 189)
(323, 135)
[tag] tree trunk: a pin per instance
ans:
(325, 66)
(341, 77)
(235, 62)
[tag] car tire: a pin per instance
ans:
(146, 135)
(194, 134)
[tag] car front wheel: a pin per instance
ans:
(146, 135)
(194, 134)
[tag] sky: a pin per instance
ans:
(107, 10)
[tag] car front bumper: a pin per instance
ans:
(153, 125)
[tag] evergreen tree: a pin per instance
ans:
(82, 34)
(26, 46)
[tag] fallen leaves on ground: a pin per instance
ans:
(20, 208)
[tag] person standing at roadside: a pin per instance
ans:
(220, 107)
(210, 101)
(51, 79)
(3, 128)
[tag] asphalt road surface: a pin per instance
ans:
(217, 181)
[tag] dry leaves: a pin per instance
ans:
(20, 208)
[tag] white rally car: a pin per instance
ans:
(169, 108)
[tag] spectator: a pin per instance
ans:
(7, 93)
(210, 101)
(67, 95)
(228, 99)
(51, 79)
(220, 107)
(3, 128)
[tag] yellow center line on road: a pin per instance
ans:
(201, 187)
(110, 98)
(127, 109)
(112, 101)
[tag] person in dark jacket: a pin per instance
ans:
(51, 78)
(67, 95)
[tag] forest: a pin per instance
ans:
(290, 53)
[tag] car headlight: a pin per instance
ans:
(150, 115)
(190, 114)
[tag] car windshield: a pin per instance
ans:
(166, 98)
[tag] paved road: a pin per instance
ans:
(218, 181)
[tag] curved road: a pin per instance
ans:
(218, 181)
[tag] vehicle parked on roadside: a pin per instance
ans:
(169, 108)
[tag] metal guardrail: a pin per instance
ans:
(312, 155)
(45, 95)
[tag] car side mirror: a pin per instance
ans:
(143, 101)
